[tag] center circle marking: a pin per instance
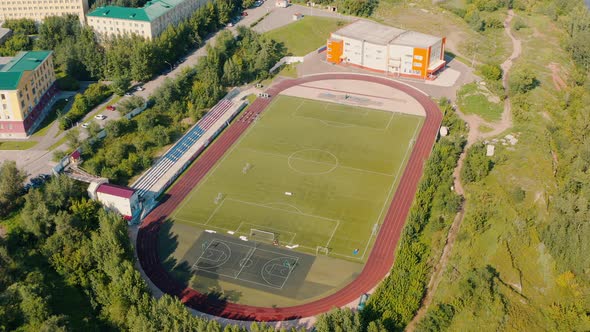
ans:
(293, 157)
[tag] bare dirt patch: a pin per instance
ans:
(558, 82)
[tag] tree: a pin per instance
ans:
(491, 71)
(73, 138)
(339, 320)
(522, 80)
(11, 187)
(121, 85)
(477, 165)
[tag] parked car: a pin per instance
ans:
(140, 88)
(85, 125)
(244, 14)
(111, 108)
(128, 94)
(100, 117)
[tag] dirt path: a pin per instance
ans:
(474, 135)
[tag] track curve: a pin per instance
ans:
(382, 255)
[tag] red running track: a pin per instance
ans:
(382, 255)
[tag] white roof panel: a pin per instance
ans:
(369, 31)
(376, 33)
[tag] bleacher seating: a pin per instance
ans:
(155, 173)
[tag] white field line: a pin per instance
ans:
(245, 259)
(219, 162)
(214, 211)
(401, 165)
(319, 162)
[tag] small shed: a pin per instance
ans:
(122, 199)
(76, 157)
(297, 16)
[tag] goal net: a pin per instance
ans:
(258, 234)
(319, 250)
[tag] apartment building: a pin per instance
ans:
(38, 10)
(27, 90)
(387, 49)
(148, 22)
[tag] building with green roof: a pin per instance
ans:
(27, 88)
(148, 21)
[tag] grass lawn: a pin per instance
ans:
(17, 145)
(306, 35)
(57, 144)
(472, 100)
(341, 164)
(52, 116)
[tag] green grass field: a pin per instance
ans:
(472, 100)
(341, 164)
(306, 35)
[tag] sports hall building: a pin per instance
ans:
(387, 49)
(27, 90)
(148, 21)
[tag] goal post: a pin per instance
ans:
(319, 250)
(258, 234)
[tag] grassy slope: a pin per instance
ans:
(306, 35)
(509, 241)
(472, 100)
(492, 46)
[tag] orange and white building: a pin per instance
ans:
(387, 49)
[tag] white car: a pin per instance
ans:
(140, 88)
(85, 125)
(100, 117)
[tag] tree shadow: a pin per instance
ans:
(167, 245)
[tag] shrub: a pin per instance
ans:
(477, 165)
(491, 71)
(522, 80)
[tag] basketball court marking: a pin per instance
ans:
(228, 255)
(285, 278)
(243, 263)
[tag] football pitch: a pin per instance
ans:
(309, 174)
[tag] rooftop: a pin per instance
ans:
(12, 71)
(149, 12)
(416, 39)
(115, 190)
(382, 34)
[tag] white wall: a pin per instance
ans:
(375, 56)
(353, 49)
(119, 204)
(406, 54)
(435, 52)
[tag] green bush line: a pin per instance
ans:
(398, 297)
